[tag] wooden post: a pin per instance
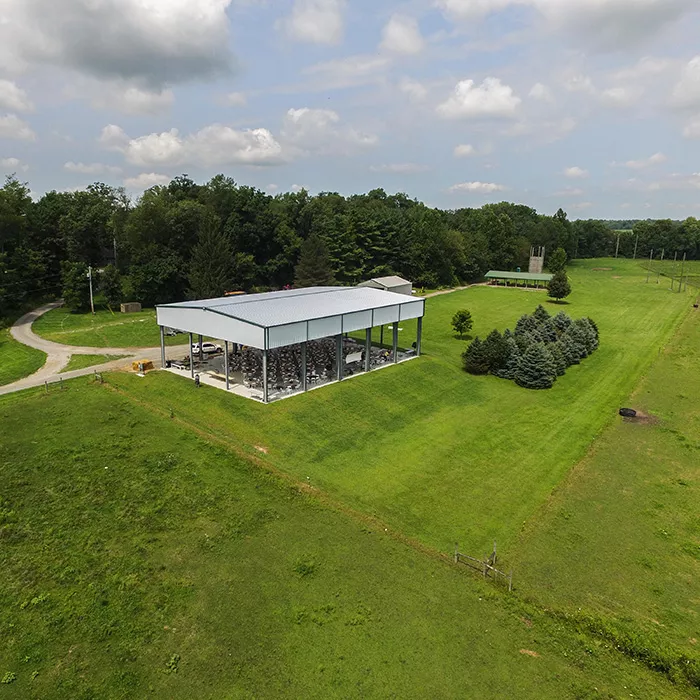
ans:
(675, 267)
(661, 262)
(456, 554)
(46, 385)
(685, 255)
(651, 260)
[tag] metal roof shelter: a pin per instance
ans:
(290, 317)
(525, 277)
(391, 283)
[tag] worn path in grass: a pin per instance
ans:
(621, 538)
(141, 560)
(440, 455)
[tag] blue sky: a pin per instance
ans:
(589, 105)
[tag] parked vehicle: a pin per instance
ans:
(207, 348)
(173, 331)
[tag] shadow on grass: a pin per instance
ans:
(558, 302)
(457, 336)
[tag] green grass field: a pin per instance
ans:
(437, 454)
(662, 271)
(621, 538)
(103, 330)
(83, 361)
(16, 360)
(140, 559)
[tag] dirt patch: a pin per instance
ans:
(526, 622)
(262, 449)
(529, 652)
(617, 277)
(601, 269)
(642, 418)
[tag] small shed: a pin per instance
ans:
(395, 284)
(132, 307)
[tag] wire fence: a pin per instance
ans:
(672, 269)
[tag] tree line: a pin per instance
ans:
(187, 239)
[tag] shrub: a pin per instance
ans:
(475, 358)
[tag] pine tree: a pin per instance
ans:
(541, 315)
(579, 340)
(570, 350)
(212, 262)
(562, 322)
(314, 268)
(588, 335)
(111, 285)
(559, 287)
(511, 366)
(594, 326)
(557, 261)
(497, 351)
(476, 360)
(462, 322)
(525, 324)
(536, 368)
(548, 331)
(560, 363)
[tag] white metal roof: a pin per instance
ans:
(390, 281)
(291, 316)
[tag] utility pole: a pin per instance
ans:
(682, 270)
(675, 267)
(636, 243)
(92, 300)
(617, 247)
(658, 272)
(115, 251)
(651, 260)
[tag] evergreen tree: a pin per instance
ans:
(497, 351)
(562, 322)
(212, 261)
(476, 360)
(536, 368)
(588, 335)
(75, 286)
(548, 331)
(462, 322)
(559, 287)
(560, 363)
(314, 268)
(570, 350)
(541, 315)
(511, 365)
(557, 261)
(111, 285)
(594, 326)
(579, 340)
(525, 324)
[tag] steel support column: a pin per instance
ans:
(162, 347)
(304, 379)
(419, 336)
(201, 349)
(264, 377)
(396, 341)
(368, 348)
(226, 365)
(191, 358)
(339, 357)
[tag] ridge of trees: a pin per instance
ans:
(158, 243)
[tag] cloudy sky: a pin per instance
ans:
(592, 105)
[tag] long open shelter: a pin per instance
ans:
(287, 341)
(526, 279)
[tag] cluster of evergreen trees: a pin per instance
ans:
(540, 349)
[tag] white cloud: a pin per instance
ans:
(581, 206)
(132, 100)
(236, 99)
(602, 24)
(646, 67)
(482, 187)
(402, 35)
(145, 181)
(316, 21)
(575, 173)
(399, 168)
(464, 150)
(212, 146)
(643, 163)
(692, 130)
(14, 98)
(321, 131)
(416, 91)
(153, 42)
(12, 127)
(569, 192)
(349, 71)
(541, 92)
(297, 188)
(91, 168)
(579, 83)
(491, 99)
(621, 96)
(686, 93)
(13, 165)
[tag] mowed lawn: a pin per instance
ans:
(622, 537)
(83, 361)
(440, 455)
(16, 360)
(140, 560)
(106, 329)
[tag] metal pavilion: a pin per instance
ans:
(294, 317)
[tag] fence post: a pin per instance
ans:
(46, 384)
(456, 554)
(60, 379)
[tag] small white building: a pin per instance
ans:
(395, 284)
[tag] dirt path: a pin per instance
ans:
(59, 355)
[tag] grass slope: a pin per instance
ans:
(140, 560)
(83, 361)
(16, 360)
(441, 455)
(103, 330)
(622, 537)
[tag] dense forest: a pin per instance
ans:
(188, 239)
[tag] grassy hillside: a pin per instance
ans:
(16, 360)
(140, 560)
(622, 537)
(441, 455)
